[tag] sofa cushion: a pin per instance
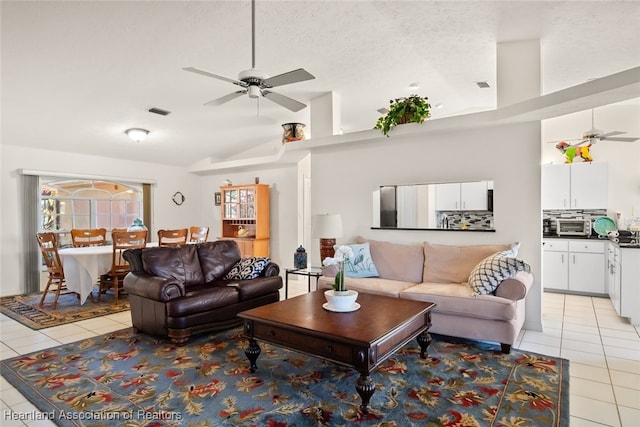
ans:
(369, 285)
(458, 299)
(453, 264)
(180, 263)
(247, 268)
(202, 298)
(361, 264)
(217, 258)
(396, 261)
(487, 275)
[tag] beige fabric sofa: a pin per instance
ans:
(439, 274)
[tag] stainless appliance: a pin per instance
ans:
(573, 227)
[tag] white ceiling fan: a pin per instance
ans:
(255, 83)
(594, 135)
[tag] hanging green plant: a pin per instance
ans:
(412, 109)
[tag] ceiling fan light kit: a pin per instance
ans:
(137, 134)
(255, 83)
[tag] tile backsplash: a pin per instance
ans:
(590, 214)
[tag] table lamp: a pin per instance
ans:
(326, 227)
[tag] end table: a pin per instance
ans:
(309, 272)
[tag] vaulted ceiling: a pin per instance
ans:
(76, 74)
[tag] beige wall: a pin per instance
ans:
(342, 180)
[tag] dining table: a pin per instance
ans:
(83, 266)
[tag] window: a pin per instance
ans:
(88, 204)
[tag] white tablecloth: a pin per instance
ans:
(83, 266)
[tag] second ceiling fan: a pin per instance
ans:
(257, 84)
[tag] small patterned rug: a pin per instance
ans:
(129, 379)
(24, 309)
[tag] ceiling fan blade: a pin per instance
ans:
(284, 101)
(608, 134)
(294, 76)
(215, 76)
(226, 98)
(619, 139)
(565, 140)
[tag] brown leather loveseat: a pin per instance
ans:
(180, 291)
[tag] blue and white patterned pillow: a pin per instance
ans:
(487, 275)
(247, 268)
(361, 264)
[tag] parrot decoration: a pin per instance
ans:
(572, 151)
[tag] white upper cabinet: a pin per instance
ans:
(575, 186)
(465, 196)
(448, 196)
(473, 196)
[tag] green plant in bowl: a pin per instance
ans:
(411, 109)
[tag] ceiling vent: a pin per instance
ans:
(483, 85)
(160, 111)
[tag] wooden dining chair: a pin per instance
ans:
(198, 234)
(172, 237)
(88, 237)
(122, 240)
(49, 247)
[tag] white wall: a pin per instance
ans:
(343, 178)
(623, 157)
(166, 213)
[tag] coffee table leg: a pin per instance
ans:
(424, 339)
(252, 352)
(365, 388)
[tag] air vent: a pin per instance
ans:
(483, 85)
(160, 111)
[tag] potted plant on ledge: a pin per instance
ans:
(412, 109)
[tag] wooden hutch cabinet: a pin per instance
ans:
(245, 218)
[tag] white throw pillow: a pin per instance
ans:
(487, 275)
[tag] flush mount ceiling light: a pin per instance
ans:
(137, 134)
(414, 85)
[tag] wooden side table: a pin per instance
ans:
(309, 272)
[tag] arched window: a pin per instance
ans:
(84, 203)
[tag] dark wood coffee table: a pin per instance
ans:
(360, 339)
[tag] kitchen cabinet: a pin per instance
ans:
(576, 266)
(575, 186)
(245, 218)
(629, 270)
(614, 277)
(464, 196)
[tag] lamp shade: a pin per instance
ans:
(326, 226)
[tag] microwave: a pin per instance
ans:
(573, 227)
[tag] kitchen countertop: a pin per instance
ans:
(625, 240)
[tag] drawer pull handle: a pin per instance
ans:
(272, 333)
(330, 349)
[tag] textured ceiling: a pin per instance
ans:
(76, 74)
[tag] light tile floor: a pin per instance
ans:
(604, 351)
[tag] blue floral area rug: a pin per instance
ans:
(134, 379)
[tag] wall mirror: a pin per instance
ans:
(434, 206)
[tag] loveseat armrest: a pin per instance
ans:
(272, 269)
(515, 288)
(153, 287)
